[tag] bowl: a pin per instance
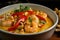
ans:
(44, 35)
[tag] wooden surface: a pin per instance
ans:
(55, 37)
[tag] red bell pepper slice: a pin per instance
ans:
(41, 18)
(30, 12)
(14, 27)
(22, 18)
(17, 13)
(21, 13)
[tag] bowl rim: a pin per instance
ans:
(37, 32)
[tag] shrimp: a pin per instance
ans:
(7, 22)
(35, 19)
(34, 27)
(27, 28)
(30, 29)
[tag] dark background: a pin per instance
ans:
(49, 3)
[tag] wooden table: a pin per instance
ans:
(55, 37)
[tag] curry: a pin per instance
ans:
(25, 20)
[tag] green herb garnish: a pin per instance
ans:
(22, 8)
(26, 8)
(30, 20)
(42, 21)
(16, 10)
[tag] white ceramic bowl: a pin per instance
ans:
(44, 35)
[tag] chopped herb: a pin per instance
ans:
(21, 8)
(26, 8)
(30, 20)
(16, 10)
(42, 21)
